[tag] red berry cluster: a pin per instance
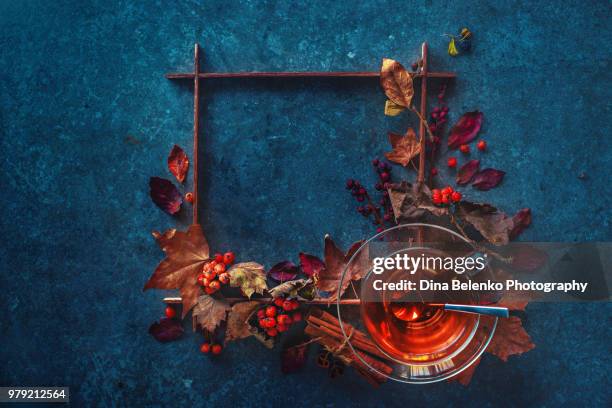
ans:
(277, 317)
(445, 196)
(211, 348)
(213, 273)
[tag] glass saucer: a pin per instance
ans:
(418, 342)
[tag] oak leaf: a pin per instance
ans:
(238, 326)
(209, 313)
(396, 82)
(405, 148)
(410, 204)
(186, 253)
(510, 338)
(178, 163)
(250, 277)
(335, 263)
(493, 225)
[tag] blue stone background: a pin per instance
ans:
(86, 117)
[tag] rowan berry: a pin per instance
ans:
(464, 148)
(456, 196)
(170, 312)
(228, 258)
(216, 349)
(452, 162)
(270, 311)
(481, 145)
(205, 348)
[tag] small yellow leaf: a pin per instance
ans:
(452, 49)
(392, 108)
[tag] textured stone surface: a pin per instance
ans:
(81, 81)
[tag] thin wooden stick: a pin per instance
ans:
(196, 131)
(305, 74)
(178, 300)
(423, 113)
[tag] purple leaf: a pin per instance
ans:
(165, 195)
(311, 265)
(487, 179)
(293, 358)
(283, 271)
(166, 330)
(467, 171)
(522, 219)
(465, 130)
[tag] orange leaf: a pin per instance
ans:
(178, 163)
(335, 262)
(396, 82)
(405, 148)
(510, 338)
(186, 253)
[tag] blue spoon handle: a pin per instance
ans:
(483, 310)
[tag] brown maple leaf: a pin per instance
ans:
(209, 313)
(405, 148)
(178, 163)
(186, 253)
(396, 82)
(335, 263)
(510, 338)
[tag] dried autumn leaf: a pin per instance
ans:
(249, 276)
(310, 264)
(405, 148)
(467, 171)
(510, 339)
(410, 204)
(209, 313)
(178, 163)
(291, 288)
(487, 179)
(294, 358)
(335, 263)
(493, 225)
(166, 330)
(396, 82)
(522, 220)
(465, 130)
(165, 195)
(392, 109)
(238, 326)
(186, 253)
(283, 271)
(465, 377)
